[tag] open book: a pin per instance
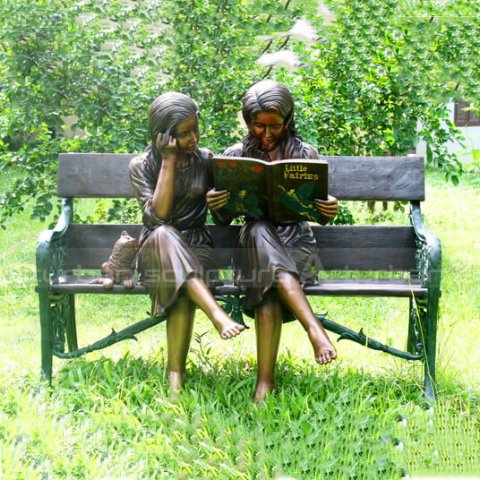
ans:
(281, 191)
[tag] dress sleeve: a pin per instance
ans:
(208, 154)
(310, 152)
(143, 187)
(234, 151)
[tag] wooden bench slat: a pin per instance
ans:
(105, 175)
(385, 287)
(340, 247)
(377, 178)
(366, 248)
(94, 175)
(88, 246)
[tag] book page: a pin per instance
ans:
(245, 179)
(293, 186)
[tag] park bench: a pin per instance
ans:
(70, 255)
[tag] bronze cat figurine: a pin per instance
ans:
(120, 265)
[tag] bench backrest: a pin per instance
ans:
(371, 248)
(388, 248)
(105, 175)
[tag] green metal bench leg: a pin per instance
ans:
(46, 334)
(71, 328)
(434, 277)
(431, 347)
(429, 263)
(412, 327)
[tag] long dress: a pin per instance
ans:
(173, 250)
(264, 248)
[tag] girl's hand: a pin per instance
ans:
(327, 207)
(217, 199)
(167, 146)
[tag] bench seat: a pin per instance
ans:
(380, 287)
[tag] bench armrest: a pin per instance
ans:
(429, 252)
(51, 247)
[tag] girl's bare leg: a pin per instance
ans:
(268, 327)
(292, 295)
(179, 334)
(199, 293)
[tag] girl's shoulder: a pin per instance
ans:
(297, 148)
(138, 162)
(205, 153)
(309, 151)
(203, 156)
(144, 159)
(234, 151)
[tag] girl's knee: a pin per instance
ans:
(258, 228)
(164, 230)
(164, 233)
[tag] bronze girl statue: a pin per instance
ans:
(170, 180)
(274, 261)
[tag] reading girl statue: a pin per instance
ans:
(274, 261)
(170, 180)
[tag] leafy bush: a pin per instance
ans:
(384, 69)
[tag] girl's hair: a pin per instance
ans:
(270, 96)
(167, 111)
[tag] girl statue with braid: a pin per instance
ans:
(274, 261)
(170, 180)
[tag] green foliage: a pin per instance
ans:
(475, 165)
(104, 62)
(212, 48)
(384, 68)
(205, 58)
(344, 215)
(62, 58)
(116, 419)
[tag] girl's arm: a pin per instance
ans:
(328, 208)
(216, 199)
(163, 195)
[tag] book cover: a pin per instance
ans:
(281, 191)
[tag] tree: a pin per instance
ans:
(212, 48)
(59, 59)
(384, 69)
(104, 62)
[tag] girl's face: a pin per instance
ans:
(268, 128)
(187, 135)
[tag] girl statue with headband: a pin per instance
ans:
(170, 180)
(275, 261)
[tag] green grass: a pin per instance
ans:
(109, 415)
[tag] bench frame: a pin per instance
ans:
(57, 286)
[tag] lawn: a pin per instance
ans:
(109, 414)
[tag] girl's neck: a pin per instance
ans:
(182, 160)
(275, 154)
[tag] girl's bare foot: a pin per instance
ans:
(226, 327)
(176, 380)
(262, 391)
(323, 350)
